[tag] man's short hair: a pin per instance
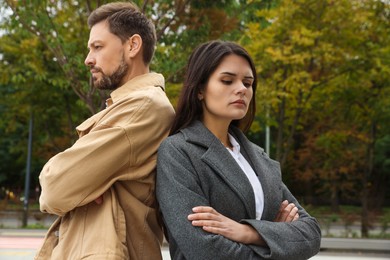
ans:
(125, 19)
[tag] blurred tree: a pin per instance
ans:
(42, 50)
(60, 26)
(295, 56)
(324, 75)
(29, 82)
(365, 90)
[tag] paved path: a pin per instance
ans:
(19, 244)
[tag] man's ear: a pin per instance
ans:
(134, 45)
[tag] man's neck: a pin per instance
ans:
(135, 72)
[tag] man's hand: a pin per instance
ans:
(99, 200)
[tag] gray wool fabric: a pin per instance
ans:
(195, 169)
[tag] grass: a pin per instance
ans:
(346, 217)
(18, 206)
(36, 226)
(349, 216)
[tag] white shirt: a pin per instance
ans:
(253, 179)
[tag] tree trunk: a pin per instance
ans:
(366, 177)
(334, 196)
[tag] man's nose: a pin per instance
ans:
(89, 60)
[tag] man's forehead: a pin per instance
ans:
(99, 33)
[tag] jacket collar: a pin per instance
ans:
(197, 133)
(220, 160)
(217, 157)
(139, 82)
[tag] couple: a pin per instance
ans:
(221, 196)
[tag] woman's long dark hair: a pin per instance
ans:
(203, 61)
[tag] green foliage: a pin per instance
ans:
(182, 25)
(323, 67)
(324, 80)
(33, 80)
(43, 47)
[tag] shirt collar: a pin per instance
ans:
(235, 144)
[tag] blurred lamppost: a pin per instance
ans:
(28, 170)
(267, 133)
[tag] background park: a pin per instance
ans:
(323, 95)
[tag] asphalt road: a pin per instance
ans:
(28, 254)
(21, 244)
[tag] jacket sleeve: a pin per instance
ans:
(294, 240)
(178, 191)
(119, 147)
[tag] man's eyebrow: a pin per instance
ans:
(93, 43)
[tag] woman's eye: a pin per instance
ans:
(226, 82)
(247, 84)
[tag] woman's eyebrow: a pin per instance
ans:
(229, 73)
(234, 74)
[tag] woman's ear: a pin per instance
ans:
(134, 45)
(200, 96)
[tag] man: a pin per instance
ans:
(103, 187)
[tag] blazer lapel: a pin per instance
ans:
(267, 170)
(221, 161)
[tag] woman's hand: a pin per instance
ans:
(287, 212)
(213, 222)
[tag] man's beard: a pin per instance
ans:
(113, 81)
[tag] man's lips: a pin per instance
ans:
(95, 70)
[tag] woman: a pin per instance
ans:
(220, 195)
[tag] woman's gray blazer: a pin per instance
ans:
(195, 169)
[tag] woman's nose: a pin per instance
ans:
(242, 89)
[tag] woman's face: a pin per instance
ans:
(228, 92)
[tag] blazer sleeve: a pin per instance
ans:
(294, 240)
(178, 191)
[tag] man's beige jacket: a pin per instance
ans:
(115, 157)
